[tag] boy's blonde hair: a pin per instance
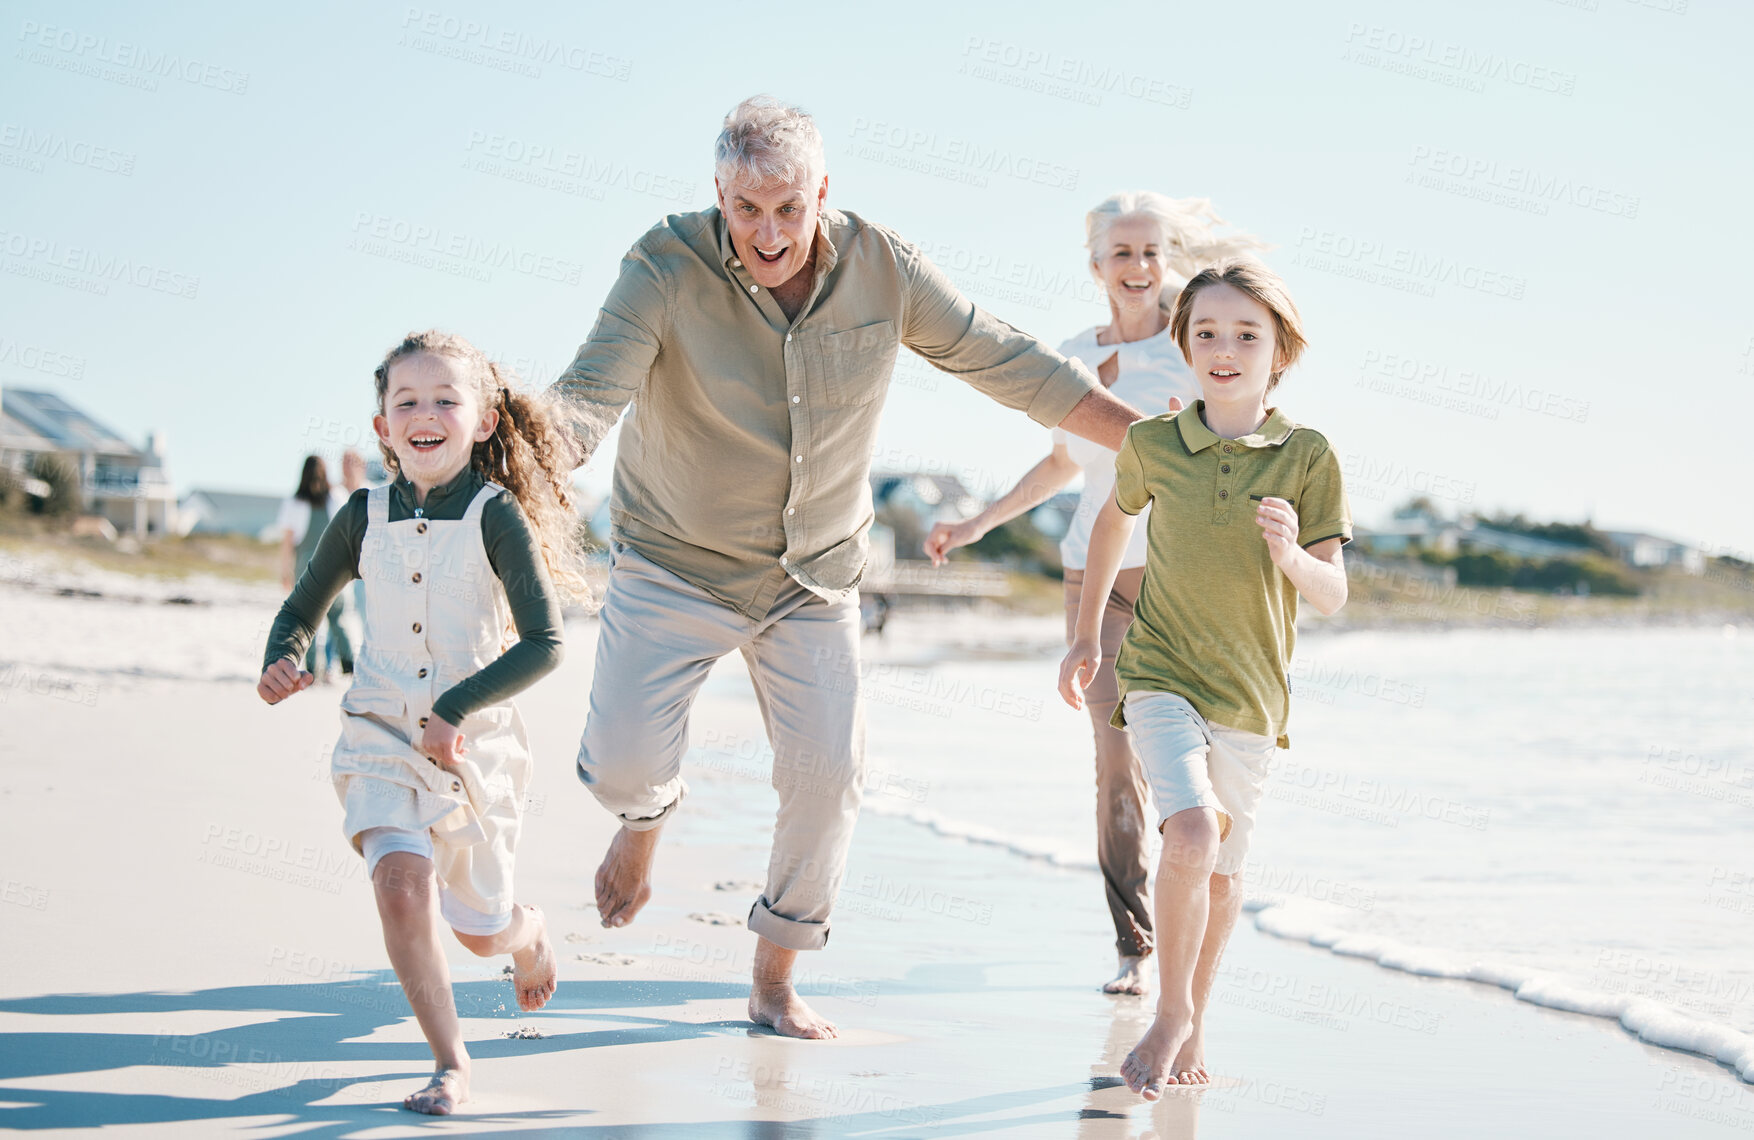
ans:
(1252, 277)
(527, 453)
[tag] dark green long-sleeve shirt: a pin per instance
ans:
(513, 551)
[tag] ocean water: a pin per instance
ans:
(1568, 814)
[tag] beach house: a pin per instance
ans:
(127, 485)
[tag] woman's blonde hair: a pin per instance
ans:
(1252, 277)
(527, 453)
(1191, 239)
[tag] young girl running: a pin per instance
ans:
(471, 539)
(1247, 512)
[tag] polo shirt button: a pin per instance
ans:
(754, 288)
(416, 627)
(1224, 494)
(1224, 468)
(1227, 449)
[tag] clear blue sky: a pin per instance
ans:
(1517, 228)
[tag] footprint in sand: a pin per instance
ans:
(575, 936)
(526, 1033)
(738, 885)
(714, 918)
(605, 959)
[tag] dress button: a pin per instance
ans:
(1224, 494)
(456, 785)
(416, 627)
(1223, 468)
(754, 289)
(417, 573)
(421, 529)
(422, 673)
(422, 722)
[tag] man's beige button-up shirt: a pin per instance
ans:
(746, 455)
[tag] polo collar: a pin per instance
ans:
(1196, 436)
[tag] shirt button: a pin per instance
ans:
(795, 399)
(416, 627)
(754, 288)
(797, 459)
(1227, 449)
(737, 263)
(788, 338)
(422, 673)
(791, 510)
(1224, 494)
(417, 575)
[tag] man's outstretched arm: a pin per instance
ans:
(612, 364)
(1102, 418)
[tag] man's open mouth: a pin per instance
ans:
(770, 258)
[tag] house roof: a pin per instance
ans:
(18, 435)
(241, 512)
(50, 417)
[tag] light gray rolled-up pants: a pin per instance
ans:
(658, 638)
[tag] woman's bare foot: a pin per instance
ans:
(1131, 978)
(533, 969)
(1146, 1069)
(778, 1005)
(1189, 1065)
(624, 881)
(441, 1096)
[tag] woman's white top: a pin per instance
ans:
(295, 513)
(1151, 371)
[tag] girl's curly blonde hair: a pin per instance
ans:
(527, 454)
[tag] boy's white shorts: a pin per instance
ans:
(1193, 763)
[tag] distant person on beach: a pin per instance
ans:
(473, 539)
(1249, 513)
(303, 518)
(1142, 246)
(756, 342)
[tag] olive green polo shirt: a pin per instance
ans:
(746, 456)
(1216, 620)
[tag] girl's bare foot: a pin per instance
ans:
(624, 881)
(1147, 1068)
(778, 1005)
(1131, 978)
(441, 1096)
(1189, 1065)
(533, 969)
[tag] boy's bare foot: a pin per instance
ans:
(441, 1096)
(1146, 1069)
(624, 881)
(778, 1005)
(1189, 1065)
(1131, 978)
(533, 969)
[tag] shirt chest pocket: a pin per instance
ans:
(854, 365)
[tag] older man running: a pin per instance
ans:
(757, 340)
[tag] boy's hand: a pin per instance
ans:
(1079, 669)
(442, 742)
(282, 679)
(1278, 524)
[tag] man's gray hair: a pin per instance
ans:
(767, 141)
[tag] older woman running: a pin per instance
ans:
(1143, 246)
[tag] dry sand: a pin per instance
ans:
(190, 949)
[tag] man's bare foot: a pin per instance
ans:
(533, 969)
(1146, 1069)
(441, 1096)
(1189, 1065)
(624, 881)
(778, 1005)
(1131, 978)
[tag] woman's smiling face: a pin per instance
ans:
(432, 417)
(1131, 263)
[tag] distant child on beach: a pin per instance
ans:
(1247, 512)
(471, 539)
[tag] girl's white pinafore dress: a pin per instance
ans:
(435, 613)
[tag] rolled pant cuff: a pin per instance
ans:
(637, 822)
(787, 933)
